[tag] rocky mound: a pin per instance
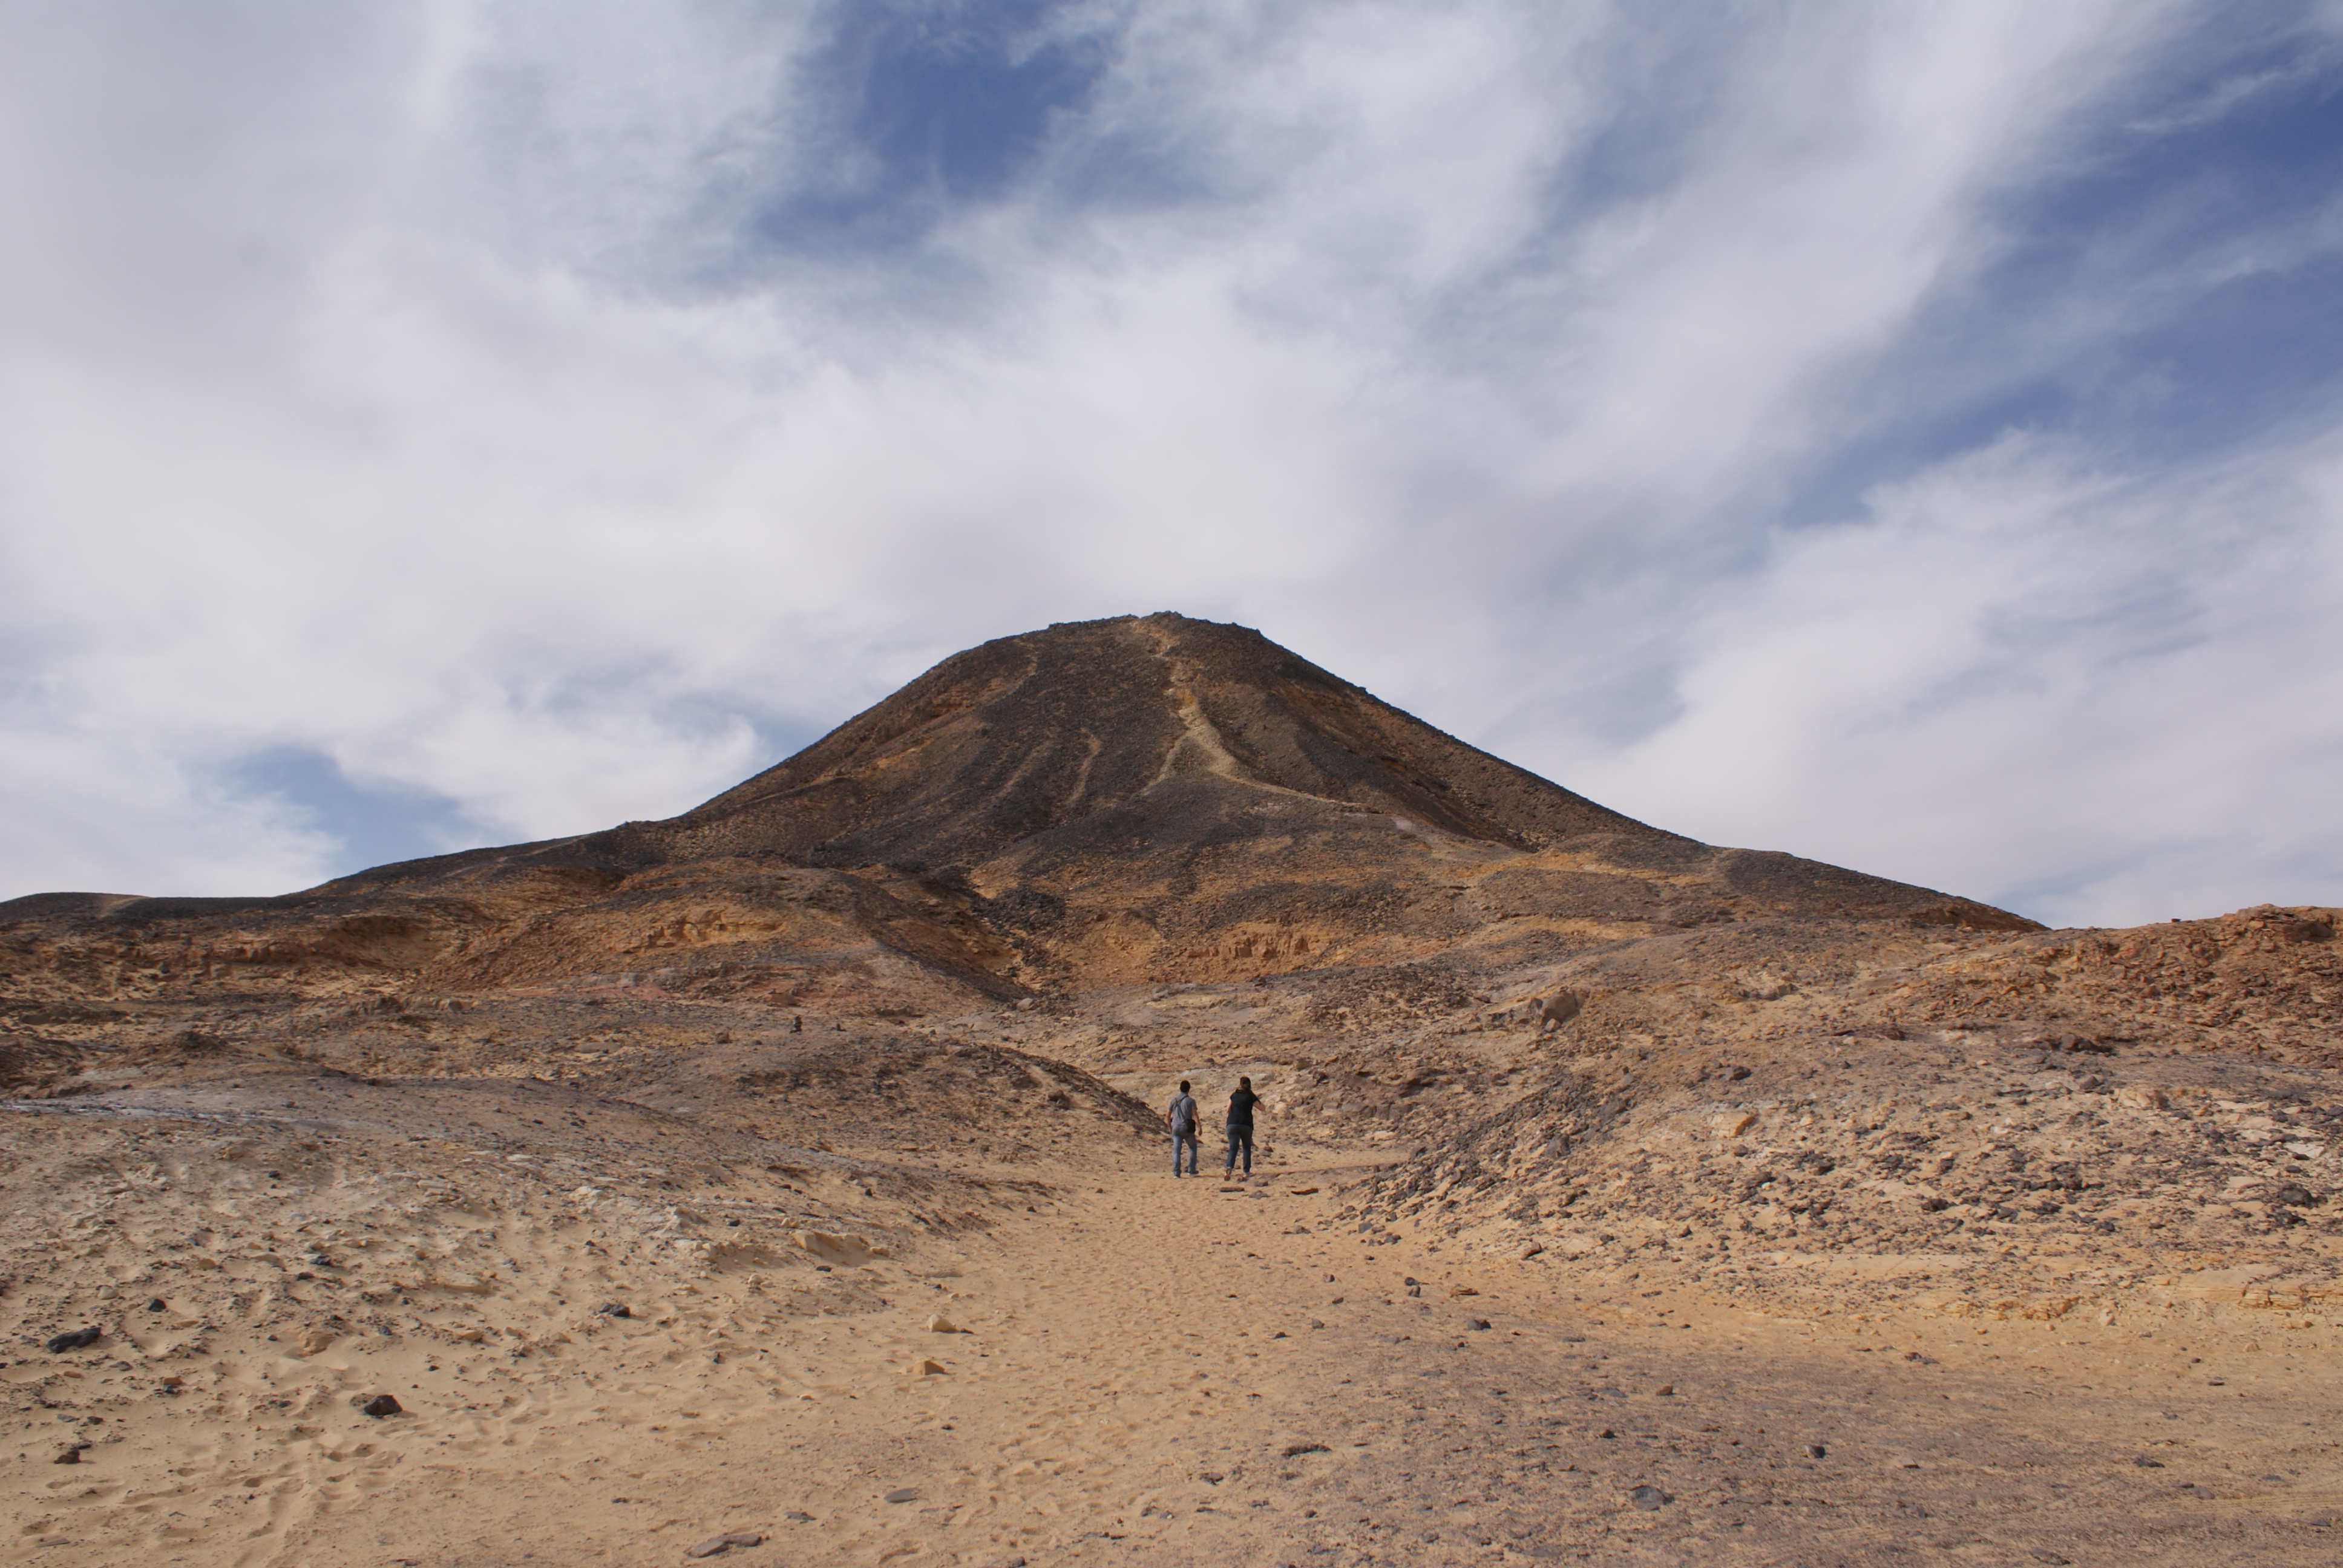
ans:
(1095, 804)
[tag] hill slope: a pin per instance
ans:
(1094, 804)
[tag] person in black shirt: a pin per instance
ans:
(1241, 1106)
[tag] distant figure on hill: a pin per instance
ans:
(1241, 1106)
(1182, 1118)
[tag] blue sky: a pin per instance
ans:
(1906, 436)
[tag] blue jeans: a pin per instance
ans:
(1189, 1140)
(1239, 1138)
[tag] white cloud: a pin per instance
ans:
(2104, 697)
(462, 398)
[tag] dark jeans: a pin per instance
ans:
(1189, 1140)
(1239, 1138)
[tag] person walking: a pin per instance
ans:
(1182, 1118)
(1241, 1106)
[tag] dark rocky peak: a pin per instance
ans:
(1139, 726)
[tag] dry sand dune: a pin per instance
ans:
(784, 1180)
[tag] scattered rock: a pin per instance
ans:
(1476, 1325)
(2295, 1195)
(1463, 1291)
(159, 1305)
(1304, 1191)
(2146, 1463)
(939, 1325)
(717, 1545)
(1299, 1448)
(1649, 1498)
(903, 1494)
(78, 1339)
(71, 1455)
(1665, 1391)
(1606, 1432)
(380, 1405)
(1732, 1124)
(798, 1516)
(931, 1369)
(1816, 1450)
(1532, 1250)
(615, 1309)
(836, 1249)
(2044, 1555)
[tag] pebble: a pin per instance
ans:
(614, 1310)
(941, 1324)
(798, 1516)
(717, 1545)
(1476, 1325)
(71, 1455)
(159, 1305)
(77, 1340)
(2146, 1463)
(1816, 1450)
(903, 1494)
(1665, 1391)
(931, 1369)
(1648, 1498)
(380, 1405)
(1461, 1290)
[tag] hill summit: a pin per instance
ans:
(1100, 802)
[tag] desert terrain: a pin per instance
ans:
(785, 1183)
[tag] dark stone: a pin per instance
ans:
(157, 1305)
(79, 1339)
(1476, 1325)
(717, 1545)
(71, 1455)
(381, 1405)
(1649, 1498)
(2146, 1463)
(1816, 1450)
(1299, 1448)
(2295, 1195)
(614, 1310)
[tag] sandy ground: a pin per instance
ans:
(1150, 1372)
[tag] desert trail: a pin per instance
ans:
(784, 1183)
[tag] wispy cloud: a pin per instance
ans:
(1831, 427)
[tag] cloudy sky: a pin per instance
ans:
(1908, 435)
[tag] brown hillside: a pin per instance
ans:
(1096, 803)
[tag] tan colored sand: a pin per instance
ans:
(1152, 1373)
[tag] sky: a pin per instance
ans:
(1908, 435)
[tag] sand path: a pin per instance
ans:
(1162, 1373)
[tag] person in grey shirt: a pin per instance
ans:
(1182, 1118)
